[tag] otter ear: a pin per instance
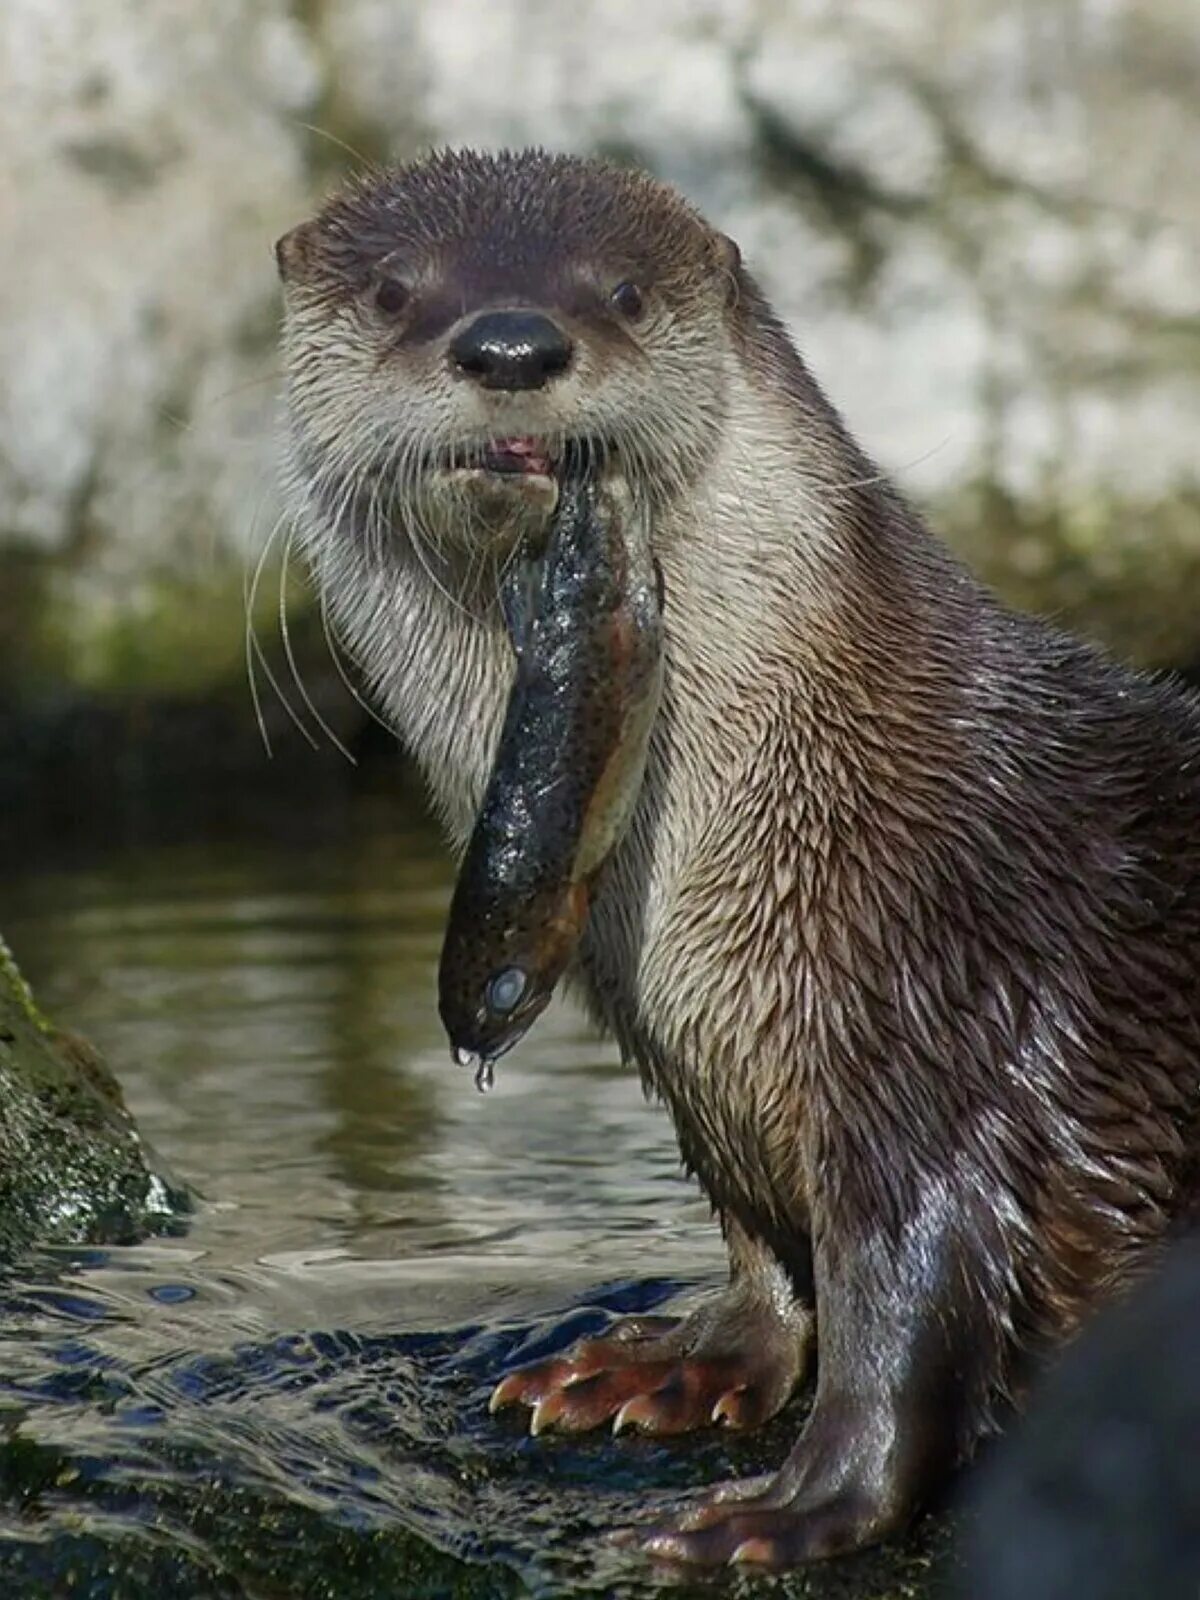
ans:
(295, 251)
(729, 261)
(728, 252)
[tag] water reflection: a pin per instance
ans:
(272, 1013)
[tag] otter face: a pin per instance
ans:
(457, 328)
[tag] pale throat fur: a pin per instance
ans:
(750, 558)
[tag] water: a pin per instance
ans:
(289, 1399)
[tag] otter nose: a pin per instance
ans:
(511, 350)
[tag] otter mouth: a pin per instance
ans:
(519, 457)
(523, 455)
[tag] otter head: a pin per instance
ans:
(458, 328)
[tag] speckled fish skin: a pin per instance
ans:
(586, 625)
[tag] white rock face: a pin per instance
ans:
(983, 222)
(148, 157)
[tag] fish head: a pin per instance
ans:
(497, 976)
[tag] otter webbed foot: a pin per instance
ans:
(733, 1363)
(830, 1497)
(772, 1528)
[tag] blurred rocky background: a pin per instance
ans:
(981, 219)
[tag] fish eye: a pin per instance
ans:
(505, 990)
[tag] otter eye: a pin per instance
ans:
(505, 990)
(627, 298)
(391, 296)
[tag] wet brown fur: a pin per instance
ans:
(906, 932)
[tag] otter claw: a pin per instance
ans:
(754, 1552)
(725, 1414)
(504, 1394)
(623, 1420)
(544, 1415)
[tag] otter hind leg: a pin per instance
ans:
(734, 1362)
(910, 1354)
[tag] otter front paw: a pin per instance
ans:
(665, 1376)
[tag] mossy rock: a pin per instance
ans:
(73, 1167)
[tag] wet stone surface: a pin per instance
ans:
(331, 1461)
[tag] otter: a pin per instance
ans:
(905, 929)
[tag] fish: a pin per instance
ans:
(585, 619)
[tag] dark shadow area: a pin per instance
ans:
(81, 776)
(1096, 1493)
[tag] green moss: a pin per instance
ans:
(166, 636)
(13, 985)
(1123, 573)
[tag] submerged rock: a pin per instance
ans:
(1096, 1492)
(73, 1167)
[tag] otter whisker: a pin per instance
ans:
(368, 166)
(255, 652)
(418, 533)
(886, 477)
(337, 648)
(411, 465)
(286, 635)
(251, 648)
(503, 570)
(477, 551)
(358, 502)
(188, 424)
(371, 519)
(338, 479)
